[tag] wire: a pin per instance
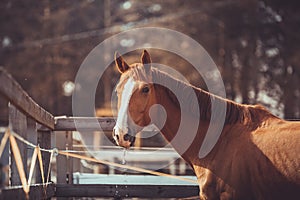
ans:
(67, 153)
(29, 143)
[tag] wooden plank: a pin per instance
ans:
(130, 179)
(37, 191)
(18, 124)
(126, 191)
(84, 123)
(44, 140)
(14, 93)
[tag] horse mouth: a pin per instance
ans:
(126, 141)
(129, 138)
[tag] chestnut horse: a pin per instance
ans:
(257, 155)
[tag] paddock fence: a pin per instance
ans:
(31, 160)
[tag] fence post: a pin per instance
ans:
(44, 140)
(64, 165)
(64, 141)
(18, 124)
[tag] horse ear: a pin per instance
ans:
(146, 60)
(120, 62)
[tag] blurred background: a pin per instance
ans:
(255, 44)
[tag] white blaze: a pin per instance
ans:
(122, 119)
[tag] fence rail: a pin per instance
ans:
(22, 110)
(37, 191)
(84, 123)
(126, 191)
(14, 93)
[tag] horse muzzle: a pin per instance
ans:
(125, 140)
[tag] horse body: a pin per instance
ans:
(257, 155)
(244, 166)
(253, 159)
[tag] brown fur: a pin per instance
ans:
(256, 157)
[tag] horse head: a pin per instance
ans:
(136, 95)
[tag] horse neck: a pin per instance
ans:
(181, 128)
(247, 116)
(187, 118)
(173, 114)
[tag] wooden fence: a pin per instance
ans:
(22, 111)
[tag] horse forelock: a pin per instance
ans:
(136, 72)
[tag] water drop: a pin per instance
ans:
(124, 157)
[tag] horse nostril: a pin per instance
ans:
(117, 136)
(127, 137)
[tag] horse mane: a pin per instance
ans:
(235, 112)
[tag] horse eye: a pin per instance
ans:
(145, 89)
